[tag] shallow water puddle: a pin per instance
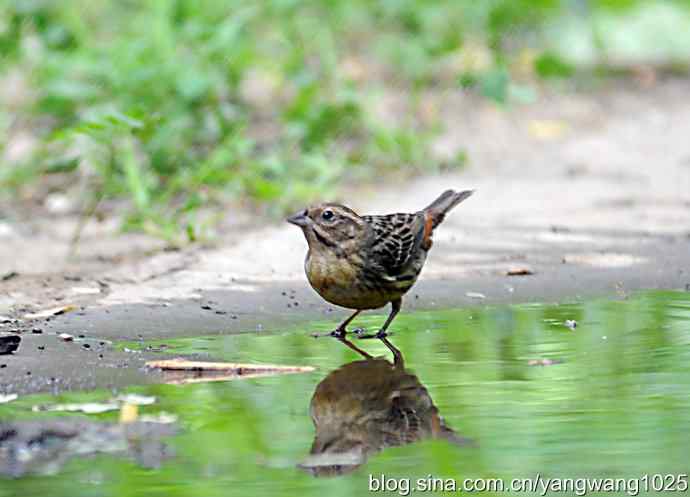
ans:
(498, 392)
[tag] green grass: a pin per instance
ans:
(175, 106)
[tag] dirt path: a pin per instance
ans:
(591, 193)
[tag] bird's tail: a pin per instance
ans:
(437, 210)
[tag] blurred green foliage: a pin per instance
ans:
(174, 105)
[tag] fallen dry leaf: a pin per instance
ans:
(186, 365)
(129, 413)
(608, 260)
(475, 295)
(136, 400)
(519, 271)
(84, 290)
(86, 408)
(547, 129)
(162, 417)
(55, 311)
(180, 371)
(127, 403)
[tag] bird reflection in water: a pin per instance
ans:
(366, 406)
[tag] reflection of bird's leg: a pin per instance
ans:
(395, 309)
(351, 345)
(340, 331)
(399, 362)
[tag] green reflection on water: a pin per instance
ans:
(618, 405)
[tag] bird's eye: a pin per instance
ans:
(327, 214)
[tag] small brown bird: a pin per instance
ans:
(365, 262)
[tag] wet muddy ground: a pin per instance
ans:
(45, 362)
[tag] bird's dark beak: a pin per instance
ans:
(299, 219)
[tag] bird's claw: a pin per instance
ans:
(362, 333)
(337, 333)
(379, 334)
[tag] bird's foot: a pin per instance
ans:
(378, 334)
(362, 333)
(336, 333)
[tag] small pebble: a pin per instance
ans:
(475, 295)
(9, 343)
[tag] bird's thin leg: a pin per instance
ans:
(351, 345)
(398, 360)
(395, 309)
(340, 331)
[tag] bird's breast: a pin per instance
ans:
(340, 281)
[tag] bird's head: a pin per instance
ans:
(330, 226)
